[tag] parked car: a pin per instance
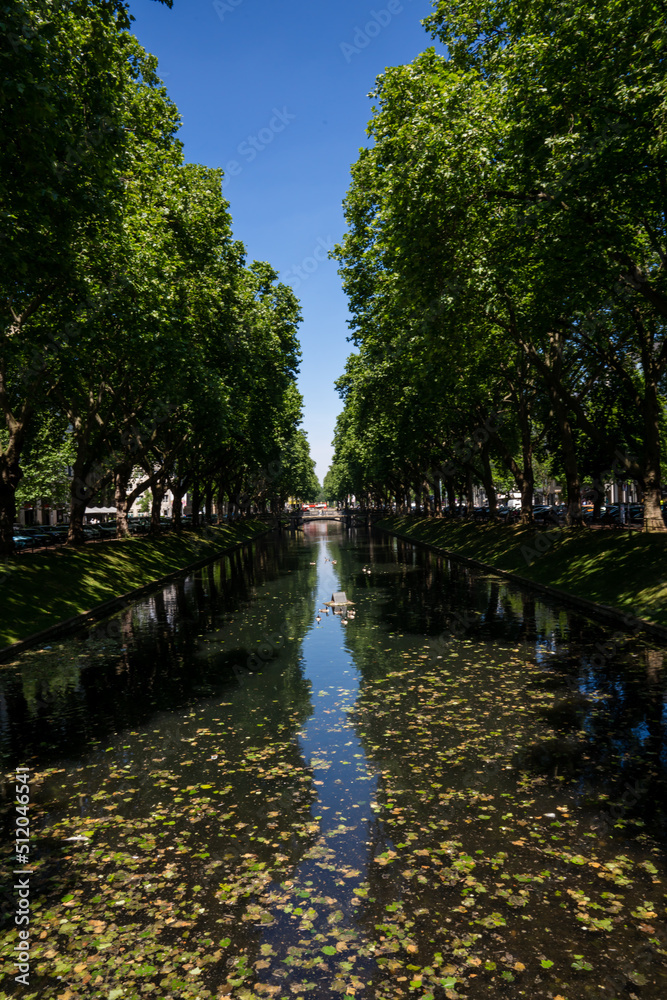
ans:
(589, 511)
(509, 515)
(138, 525)
(611, 515)
(57, 533)
(107, 530)
(57, 530)
(636, 513)
(23, 542)
(40, 535)
(545, 515)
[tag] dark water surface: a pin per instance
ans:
(459, 791)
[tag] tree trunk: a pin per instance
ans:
(527, 491)
(451, 495)
(121, 479)
(574, 518)
(10, 468)
(487, 479)
(527, 483)
(157, 496)
(179, 490)
(417, 500)
(470, 492)
(598, 497)
(437, 495)
(196, 500)
(653, 519)
(81, 495)
(209, 502)
(523, 474)
(428, 506)
(10, 477)
(75, 535)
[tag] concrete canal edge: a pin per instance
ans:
(616, 616)
(108, 607)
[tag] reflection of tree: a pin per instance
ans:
(152, 655)
(240, 821)
(605, 721)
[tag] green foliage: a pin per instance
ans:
(49, 452)
(298, 477)
(505, 259)
(129, 310)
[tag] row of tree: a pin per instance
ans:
(506, 258)
(135, 337)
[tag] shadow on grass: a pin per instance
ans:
(44, 588)
(625, 570)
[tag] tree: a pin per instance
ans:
(583, 99)
(69, 73)
(298, 478)
(471, 238)
(48, 454)
(130, 311)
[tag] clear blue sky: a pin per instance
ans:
(277, 95)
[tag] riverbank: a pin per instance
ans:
(622, 570)
(43, 589)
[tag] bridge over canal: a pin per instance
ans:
(346, 517)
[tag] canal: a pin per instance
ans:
(454, 788)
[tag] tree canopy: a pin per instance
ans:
(505, 257)
(137, 340)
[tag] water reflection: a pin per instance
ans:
(461, 789)
(180, 644)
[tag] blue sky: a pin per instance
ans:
(276, 95)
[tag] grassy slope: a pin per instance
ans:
(42, 589)
(621, 569)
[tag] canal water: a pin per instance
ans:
(452, 789)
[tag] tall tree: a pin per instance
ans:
(582, 95)
(69, 74)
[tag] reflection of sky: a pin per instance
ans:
(210, 742)
(52, 696)
(544, 650)
(641, 732)
(328, 738)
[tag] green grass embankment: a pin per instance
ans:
(41, 589)
(619, 569)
